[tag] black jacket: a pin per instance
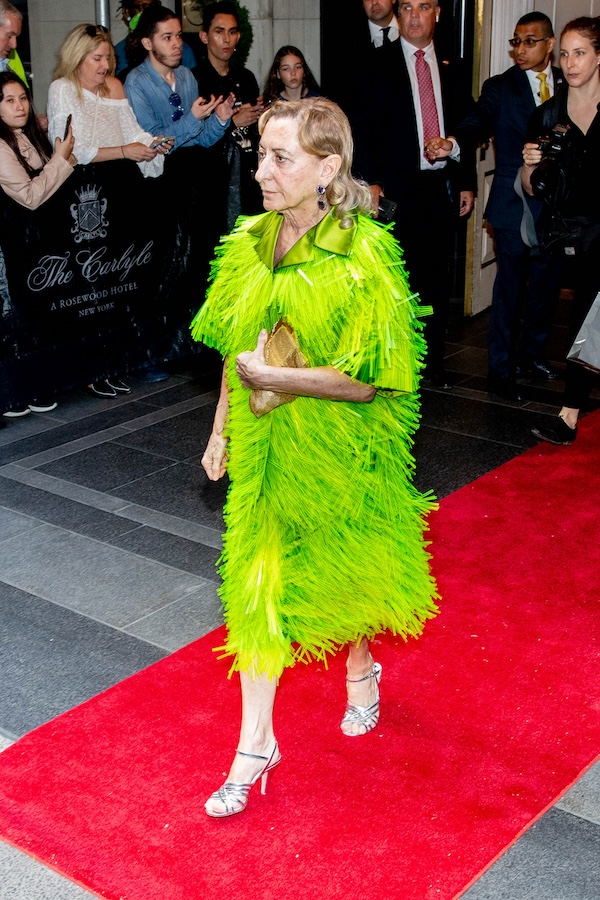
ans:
(385, 126)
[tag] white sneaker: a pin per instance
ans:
(17, 413)
(42, 406)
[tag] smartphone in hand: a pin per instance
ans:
(161, 141)
(67, 126)
(386, 210)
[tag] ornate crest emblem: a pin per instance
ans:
(88, 214)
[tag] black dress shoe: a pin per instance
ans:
(503, 387)
(558, 432)
(536, 370)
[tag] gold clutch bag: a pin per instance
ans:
(281, 349)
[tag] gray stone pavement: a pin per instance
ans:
(109, 534)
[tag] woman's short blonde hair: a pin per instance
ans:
(81, 41)
(323, 129)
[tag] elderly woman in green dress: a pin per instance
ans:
(324, 542)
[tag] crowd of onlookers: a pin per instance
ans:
(190, 117)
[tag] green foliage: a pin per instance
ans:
(246, 34)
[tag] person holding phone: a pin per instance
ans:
(30, 170)
(104, 125)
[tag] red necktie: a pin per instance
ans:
(431, 124)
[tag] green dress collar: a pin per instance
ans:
(327, 235)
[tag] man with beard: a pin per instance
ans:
(164, 94)
(164, 97)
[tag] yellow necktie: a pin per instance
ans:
(544, 89)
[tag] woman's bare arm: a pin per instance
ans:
(322, 382)
(214, 461)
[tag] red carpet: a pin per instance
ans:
(485, 721)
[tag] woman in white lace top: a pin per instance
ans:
(103, 122)
(86, 93)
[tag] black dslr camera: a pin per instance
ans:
(545, 179)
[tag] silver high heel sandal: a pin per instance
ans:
(367, 716)
(234, 796)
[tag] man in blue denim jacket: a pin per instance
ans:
(164, 97)
(164, 94)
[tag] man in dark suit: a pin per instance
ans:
(358, 28)
(503, 112)
(381, 21)
(392, 119)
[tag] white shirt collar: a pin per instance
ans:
(534, 82)
(377, 33)
(410, 49)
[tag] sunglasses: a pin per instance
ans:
(529, 42)
(178, 111)
(94, 30)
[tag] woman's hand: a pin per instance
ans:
(214, 461)
(250, 364)
(138, 152)
(64, 147)
(438, 148)
(163, 145)
(532, 155)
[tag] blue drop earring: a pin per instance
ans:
(321, 197)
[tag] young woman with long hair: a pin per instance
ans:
(30, 169)
(290, 77)
(576, 107)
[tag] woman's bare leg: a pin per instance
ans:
(569, 416)
(256, 734)
(360, 693)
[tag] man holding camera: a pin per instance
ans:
(503, 112)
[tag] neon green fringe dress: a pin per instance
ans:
(324, 540)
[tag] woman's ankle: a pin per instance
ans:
(569, 416)
(358, 668)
